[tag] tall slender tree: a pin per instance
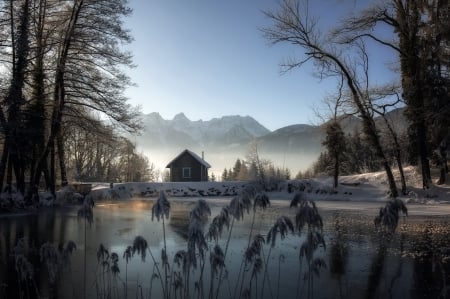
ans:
(58, 94)
(436, 35)
(407, 23)
(12, 158)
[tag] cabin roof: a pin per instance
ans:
(196, 157)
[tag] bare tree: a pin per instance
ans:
(102, 155)
(91, 149)
(293, 24)
(253, 158)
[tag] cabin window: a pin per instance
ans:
(186, 172)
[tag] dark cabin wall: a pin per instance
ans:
(186, 160)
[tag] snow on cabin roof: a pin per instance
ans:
(197, 157)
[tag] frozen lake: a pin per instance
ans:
(414, 263)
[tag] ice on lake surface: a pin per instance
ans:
(360, 263)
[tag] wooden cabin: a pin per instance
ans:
(188, 167)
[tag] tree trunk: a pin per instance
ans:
(442, 162)
(36, 121)
(20, 175)
(393, 192)
(61, 159)
(398, 153)
(336, 171)
(46, 173)
(3, 162)
(372, 134)
(402, 173)
(423, 154)
(9, 175)
(52, 186)
(442, 176)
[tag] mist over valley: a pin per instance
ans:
(223, 140)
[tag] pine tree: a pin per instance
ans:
(236, 169)
(225, 175)
(335, 144)
(243, 172)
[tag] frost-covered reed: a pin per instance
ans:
(389, 215)
(161, 210)
(308, 216)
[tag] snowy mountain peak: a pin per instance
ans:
(180, 117)
(153, 115)
(152, 119)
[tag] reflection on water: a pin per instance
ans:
(413, 263)
(338, 254)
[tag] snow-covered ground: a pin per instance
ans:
(368, 187)
(363, 187)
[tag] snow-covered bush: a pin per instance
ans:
(11, 199)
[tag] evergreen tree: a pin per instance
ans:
(212, 178)
(243, 172)
(253, 171)
(287, 174)
(335, 144)
(225, 175)
(236, 169)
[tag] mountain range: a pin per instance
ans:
(223, 140)
(215, 133)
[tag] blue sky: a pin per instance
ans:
(208, 58)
